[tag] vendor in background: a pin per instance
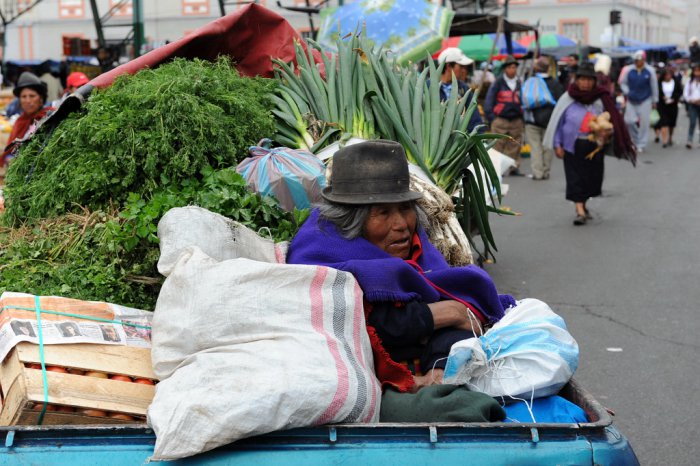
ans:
(569, 134)
(457, 64)
(416, 305)
(505, 114)
(31, 92)
(74, 81)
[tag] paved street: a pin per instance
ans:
(628, 286)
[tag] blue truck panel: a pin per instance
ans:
(595, 443)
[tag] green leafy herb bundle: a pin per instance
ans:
(111, 256)
(161, 124)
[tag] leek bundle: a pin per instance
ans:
(366, 94)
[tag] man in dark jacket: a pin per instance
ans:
(694, 49)
(504, 112)
(538, 111)
(457, 64)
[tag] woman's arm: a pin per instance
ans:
(454, 314)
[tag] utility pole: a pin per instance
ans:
(139, 38)
(509, 39)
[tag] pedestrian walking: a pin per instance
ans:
(670, 92)
(694, 50)
(691, 95)
(570, 132)
(505, 113)
(540, 93)
(641, 90)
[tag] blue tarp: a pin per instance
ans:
(632, 45)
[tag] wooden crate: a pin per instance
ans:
(22, 387)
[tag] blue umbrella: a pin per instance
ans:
(410, 28)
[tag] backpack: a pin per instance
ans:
(535, 93)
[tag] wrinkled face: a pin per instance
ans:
(390, 227)
(510, 70)
(30, 101)
(585, 83)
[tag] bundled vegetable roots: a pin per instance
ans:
(161, 124)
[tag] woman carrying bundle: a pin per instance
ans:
(578, 136)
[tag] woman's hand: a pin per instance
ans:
(454, 314)
(559, 152)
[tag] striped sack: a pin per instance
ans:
(243, 348)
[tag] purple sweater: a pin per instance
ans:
(569, 128)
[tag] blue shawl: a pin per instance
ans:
(385, 278)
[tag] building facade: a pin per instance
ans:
(650, 21)
(38, 34)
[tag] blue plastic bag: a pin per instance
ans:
(535, 93)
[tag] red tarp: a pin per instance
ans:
(251, 37)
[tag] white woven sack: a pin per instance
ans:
(527, 354)
(243, 348)
(219, 237)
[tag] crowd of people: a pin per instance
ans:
(556, 111)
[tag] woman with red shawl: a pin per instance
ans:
(31, 92)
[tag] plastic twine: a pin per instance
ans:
(45, 381)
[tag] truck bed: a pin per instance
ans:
(597, 442)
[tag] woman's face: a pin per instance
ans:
(30, 101)
(585, 83)
(696, 73)
(390, 227)
(667, 76)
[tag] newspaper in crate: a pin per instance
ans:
(65, 320)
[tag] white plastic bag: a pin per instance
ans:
(243, 348)
(527, 354)
(219, 237)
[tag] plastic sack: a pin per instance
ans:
(243, 348)
(217, 236)
(294, 177)
(527, 354)
(535, 93)
(654, 117)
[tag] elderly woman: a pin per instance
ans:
(31, 92)
(416, 305)
(571, 137)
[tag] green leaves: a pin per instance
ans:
(172, 122)
(112, 257)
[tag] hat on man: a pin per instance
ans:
(693, 40)
(510, 60)
(372, 172)
(454, 55)
(77, 79)
(639, 55)
(586, 70)
(30, 80)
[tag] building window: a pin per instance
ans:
(195, 7)
(23, 4)
(124, 8)
(71, 8)
(576, 29)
